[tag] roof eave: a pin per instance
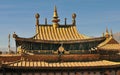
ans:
(59, 41)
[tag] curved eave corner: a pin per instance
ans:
(109, 40)
(16, 37)
(62, 41)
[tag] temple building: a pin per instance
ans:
(57, 49)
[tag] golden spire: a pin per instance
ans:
(55, 18)
(37, 18)
(73, 19)
(55, 15)
(107, 33)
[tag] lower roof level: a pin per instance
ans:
(61, 65)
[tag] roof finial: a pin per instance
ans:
(55, 18)
(107, 33)
(65, 21)
(37, 18)
(55, 15)
(9, 43)
(106, 30)
(45, 21)
(111, 33)
(37, 22)
(73, 19)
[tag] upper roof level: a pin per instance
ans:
(56, 32)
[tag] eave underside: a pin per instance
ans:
(60, 41)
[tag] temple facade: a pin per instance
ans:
(57, 49)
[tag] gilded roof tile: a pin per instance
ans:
(101, 63)
(110, 47)
(48, 32)
(109, 40)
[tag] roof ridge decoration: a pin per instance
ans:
(55, 18)
(107, 41)
(73, 19)
(37, 22)
(111, 33)
(55, 32)
(107, 33)
(109, 38)
(37, 18)
(58, 32)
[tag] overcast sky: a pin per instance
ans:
(93, 16)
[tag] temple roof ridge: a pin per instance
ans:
(108, 41)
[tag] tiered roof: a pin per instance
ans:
(56, 33)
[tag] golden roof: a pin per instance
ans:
(61, 33)
(109, 44)
(110, 47)
(42, 64)
(109, 40)
(56, 33)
